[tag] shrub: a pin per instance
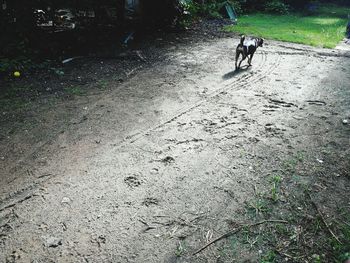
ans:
(237, 4)
(277, 7)
(210, 8)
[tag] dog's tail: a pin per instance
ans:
(242, 39)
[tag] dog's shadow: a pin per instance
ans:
(236, 72)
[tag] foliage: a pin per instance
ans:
(238, 5)
(9, 65)
(19, 56)
(276, 7)
(208, 9)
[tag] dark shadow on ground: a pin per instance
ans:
(236, 72)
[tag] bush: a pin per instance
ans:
(237, 4)
(207, 9)
(210, 8)
(277, 7)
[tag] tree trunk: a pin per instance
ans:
(120, 11)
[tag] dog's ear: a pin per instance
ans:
(242, 40)
(261, 42)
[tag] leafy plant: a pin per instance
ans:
(210, 8)
(277, 7)
(180, 249)
(74, 90)
(276, 180)
(270, 257)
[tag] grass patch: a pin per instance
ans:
(74, 90)
(14, 104)
(102, 84)
(326, 28)
(305, 235)
(180, 249)
(16, 97)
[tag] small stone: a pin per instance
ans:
(52, 241)
(345, 122)
(154, 171)
(65, 200)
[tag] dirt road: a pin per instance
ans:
(159, 165)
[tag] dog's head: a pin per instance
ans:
(260, 42)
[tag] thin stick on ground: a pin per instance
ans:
(234, 231)
(287, 255)
(324, 221)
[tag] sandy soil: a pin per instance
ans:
(153, 167)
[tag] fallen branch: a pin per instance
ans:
(288, 256)
(234, 231)
(324, 221)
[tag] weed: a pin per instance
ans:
(274, 193)
(290, 164)
(317, 225)
(342, 250)
(57, 71)
(234, 242)
(344, 257)
(316, 258)
(269, 257)
(300, 156)
(242, 153)
(180, 249)
(13, 104)
(282, 230)
(74, 90)
(276, 180)
(102, 84)
(258, 207)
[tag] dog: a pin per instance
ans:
(247, 48)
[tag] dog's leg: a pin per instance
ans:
(237, 57)
(243, 58)
(250, 59)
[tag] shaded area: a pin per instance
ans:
(38, 31)
(235, 73)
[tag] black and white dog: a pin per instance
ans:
(247, 48)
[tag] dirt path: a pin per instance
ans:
(166, 161)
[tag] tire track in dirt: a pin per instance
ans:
(309, 50)
(244, 81)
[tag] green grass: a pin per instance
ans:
(74, 90)
(14, 104)
(326, 28)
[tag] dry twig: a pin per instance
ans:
(234, 231)
(324, 221)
